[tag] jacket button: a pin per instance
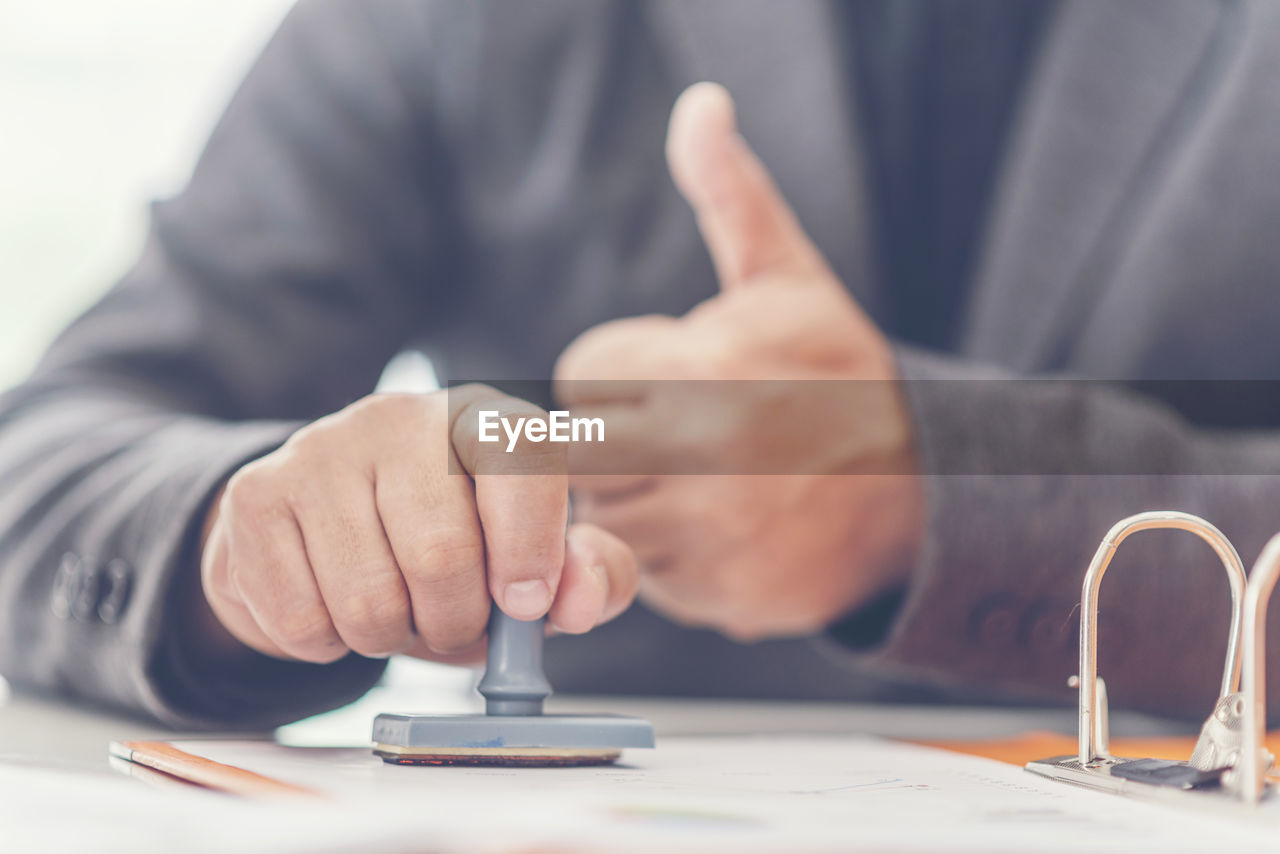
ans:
(84, 594)
(64, 586)
(117, 581)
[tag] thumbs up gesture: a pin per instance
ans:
(804, 503)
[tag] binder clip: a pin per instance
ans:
(1230, 762)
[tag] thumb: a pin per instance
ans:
(748, 226)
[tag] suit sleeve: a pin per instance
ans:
(271, 291)
(1023, 478)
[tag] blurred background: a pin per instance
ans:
(103, 106)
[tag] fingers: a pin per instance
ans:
(434, 532)
(224, 599)
(522, 499)
(389, 527)
(748, 227)
(598, 581)
(269, 573)
(354, 566)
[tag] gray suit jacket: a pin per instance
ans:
(485, 180)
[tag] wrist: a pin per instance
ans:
(902, 525)
(883, 463)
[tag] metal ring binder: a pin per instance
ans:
(1253, 771)
(1154, 520)
(1240, 712)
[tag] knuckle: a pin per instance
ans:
(310, 444)
(376, 608)
(392, 412)
(249, 489)
(375, 621)
(444, 562)
(306, 632)
(254, 499)
(447, 584)
(220, 582)
(370, 406)
(377, 406)
(450, 583)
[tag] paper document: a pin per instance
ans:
(743, 794)
(49, 811)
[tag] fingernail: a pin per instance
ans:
(526, 600)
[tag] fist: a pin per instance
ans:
(804, 504)
(389, 528)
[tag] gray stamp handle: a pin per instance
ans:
(513, 682)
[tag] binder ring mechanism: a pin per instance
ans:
(1230, 761)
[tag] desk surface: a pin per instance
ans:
(39, 738)
(45, 730)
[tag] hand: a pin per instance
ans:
(365, 533)
(750, 554)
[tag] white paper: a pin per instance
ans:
(45, 809)
(766, 793)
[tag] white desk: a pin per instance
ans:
(95, 808)
(34, 729)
